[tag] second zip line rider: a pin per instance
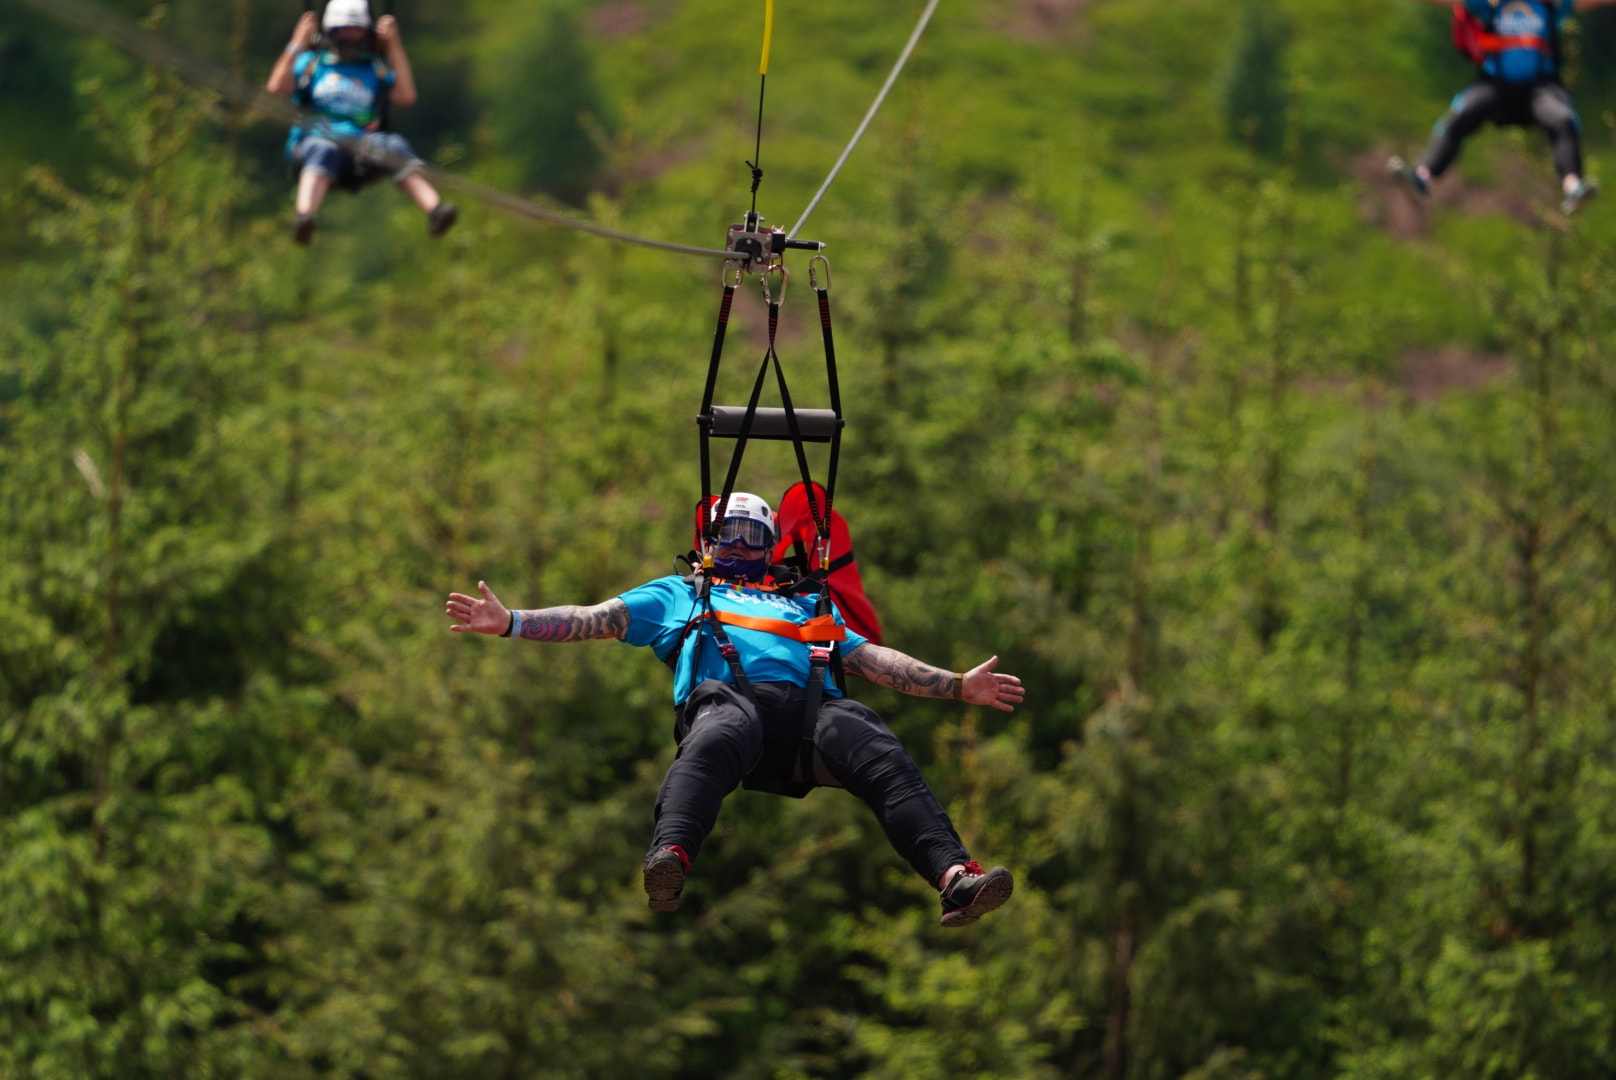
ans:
(346, 88)
(1516, 47)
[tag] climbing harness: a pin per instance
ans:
(1476, 41)
(759, 249)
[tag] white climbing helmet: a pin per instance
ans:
(341, 13)
(749, 519)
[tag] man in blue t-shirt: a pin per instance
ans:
(742, 653)
(1518, 46)
(345, 90)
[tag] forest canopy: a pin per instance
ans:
(1288, 498)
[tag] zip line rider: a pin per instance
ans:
(347, 88)
(1516, 45)
(741, 652)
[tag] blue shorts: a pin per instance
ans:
(377, 154)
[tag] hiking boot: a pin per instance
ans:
(665, 873)
(1408, 177)
(441, 219)
(972, 894)
(303, 229)
(1585, 190)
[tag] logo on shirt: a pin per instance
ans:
(343, 95)
(771, 601)
(1520, 19)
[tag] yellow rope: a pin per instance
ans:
(768, 35)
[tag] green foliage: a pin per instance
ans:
(542, 90)
(1254, 92)
(1290, 509)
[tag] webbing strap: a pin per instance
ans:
(726, 647)
(1493, 43)
(823, 295)
(704, 418)
(820, 656)
(820, 628)
(707, 418)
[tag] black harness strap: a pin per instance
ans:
(726, 647)
(384, 102)
(823, 656)
(823, 295)
(820, 654)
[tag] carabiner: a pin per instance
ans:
(813, 279)
(763, 280)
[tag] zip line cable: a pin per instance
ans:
(903, 58)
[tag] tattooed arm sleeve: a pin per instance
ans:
(571, 623)
(893, 669)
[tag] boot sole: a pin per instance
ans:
(664, 880)
(443, 223)
(993, 893)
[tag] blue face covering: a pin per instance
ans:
(742, 569)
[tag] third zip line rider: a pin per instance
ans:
(345, 89)
(741, 650)
(1516, 46)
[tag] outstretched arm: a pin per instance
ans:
(567, 623)
(391, 43)
(280, 81)
(897, 671)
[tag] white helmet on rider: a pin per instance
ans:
(746, 538)
(345, 13)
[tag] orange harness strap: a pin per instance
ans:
(1494, 43)
(819, 628)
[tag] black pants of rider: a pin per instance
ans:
(724, 738)
(1546, 104)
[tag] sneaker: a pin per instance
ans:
(665, 873)
(1410, 179)
(1585, 190)
(303, 229)
(441, 219)
(972, 894)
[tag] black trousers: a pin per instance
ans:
(1545, 104)
(724, 739)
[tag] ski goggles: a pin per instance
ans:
(748, 532)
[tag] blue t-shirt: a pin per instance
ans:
(1521, 18)
(347, 96)
(660, 610)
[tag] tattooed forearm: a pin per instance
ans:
(905, 674)
(572, 623)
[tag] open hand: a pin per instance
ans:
(484, 616)
(983, 686)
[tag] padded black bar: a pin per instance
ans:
(816, 425)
